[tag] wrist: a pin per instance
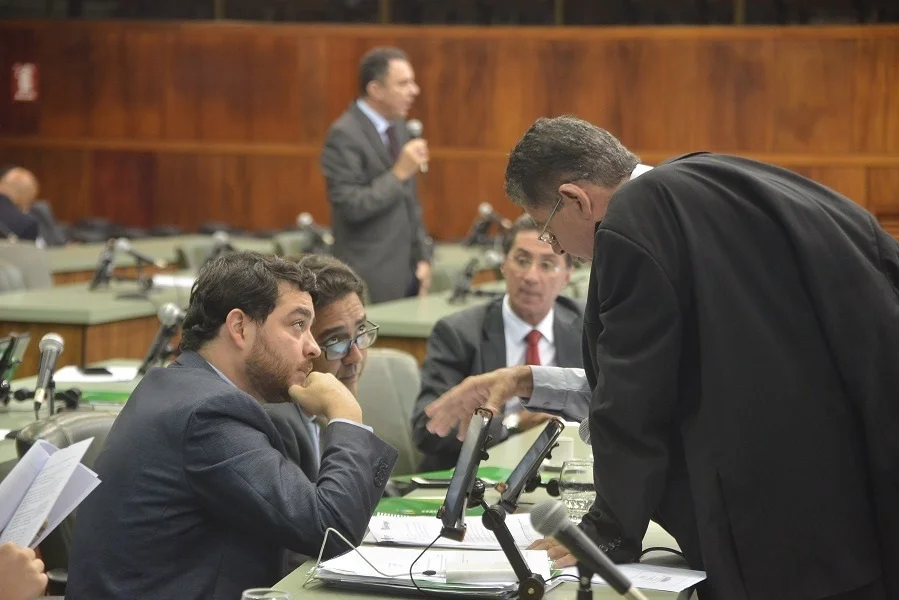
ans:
(350, 413)
(401, 173)
(523, 377)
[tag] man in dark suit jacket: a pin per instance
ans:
(197, 498)
(344, 334)
(18, 190)
(741, 337)
(370, 166)
(490, 336)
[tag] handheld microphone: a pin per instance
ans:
(51, 346)
(124, 245)
(584, 431)
(170, 318)
(415, 129)
(550, 519)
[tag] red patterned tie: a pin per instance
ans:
(532, 355)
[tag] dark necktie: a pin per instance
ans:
(532, 354)
(393, 144)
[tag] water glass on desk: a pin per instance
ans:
(576, 488)
(264, 594)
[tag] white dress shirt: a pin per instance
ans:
(564, 390)
(516, 330)
(381, 124)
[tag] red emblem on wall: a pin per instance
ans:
(24, 82)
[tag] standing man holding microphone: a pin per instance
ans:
(370, 161)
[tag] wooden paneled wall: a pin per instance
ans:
(151, 123)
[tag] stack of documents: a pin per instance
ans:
(421, 531)
(457, 572)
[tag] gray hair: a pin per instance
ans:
(564, 150)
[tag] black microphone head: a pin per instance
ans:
(549, 517)
(169, 314)
(584, 431)
(485, 209)
(51, 341)
(414, 128)
(123, 245)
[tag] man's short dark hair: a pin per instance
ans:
(564, 150)
(333, 279)
(525, 223)
(246, 280)
(375, 64)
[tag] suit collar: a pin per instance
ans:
(371, 134)
(381, 124)
(519, 328)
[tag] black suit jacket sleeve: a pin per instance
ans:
(235, 471)
(352, 196)
(634, 400)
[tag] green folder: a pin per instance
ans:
(490, 475)
(416, 507)
(105, 397)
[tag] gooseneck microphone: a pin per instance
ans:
(124, 245)
(170, 319)
(415, 129)
(51, 346)
(551, 520)
(105, 266)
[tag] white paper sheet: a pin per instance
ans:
(652, 577)
(421, 531)
(45, 492)
(15, 485)
(118, 374)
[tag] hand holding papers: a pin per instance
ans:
(43, 489)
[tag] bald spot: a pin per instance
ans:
(21, 187)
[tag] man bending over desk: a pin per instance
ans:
(197, 498)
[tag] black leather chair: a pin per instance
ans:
(166, 231)
(49, 229)
(62, 430)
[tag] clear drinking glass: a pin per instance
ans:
(264, 594)
(576, 488)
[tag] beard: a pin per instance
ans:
(269, 374)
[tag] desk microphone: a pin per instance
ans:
(551, 520)
(170, 319)
(415, 129)
(105, 266)
(124, 245)
(51, 346)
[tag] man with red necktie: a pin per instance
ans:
(530, 325)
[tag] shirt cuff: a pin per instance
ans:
(347, 421)
(560, 391)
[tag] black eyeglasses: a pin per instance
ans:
(338, 350)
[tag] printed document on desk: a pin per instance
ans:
(46, 485)
(653, 577)
(373, 567)
(421, 531)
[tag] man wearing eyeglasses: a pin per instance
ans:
(531, 324)
(344, 335)
(741, 341)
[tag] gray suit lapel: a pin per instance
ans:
(371, 134)
(307, 449)
(567, 349)
(493, 346)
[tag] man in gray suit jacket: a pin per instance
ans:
(370, 166)
(197, 498)
(501, 333)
